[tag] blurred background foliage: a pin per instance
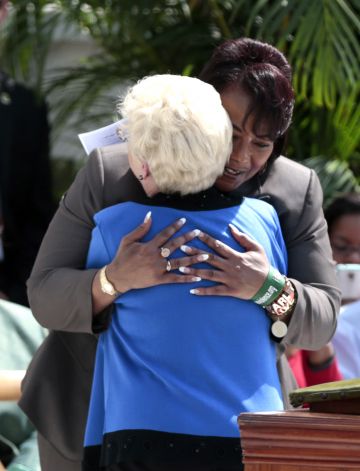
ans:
(137, 38)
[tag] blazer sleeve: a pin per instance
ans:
(59, 287)
(312, 271)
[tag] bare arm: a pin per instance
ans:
(10, 383)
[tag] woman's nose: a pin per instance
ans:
(241, 153)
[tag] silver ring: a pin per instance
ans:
(238, 267)
(164, 252)
(168, 266)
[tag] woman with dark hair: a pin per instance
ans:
(253, 80)
(244, 68)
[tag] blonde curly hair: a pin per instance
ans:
(178, 126)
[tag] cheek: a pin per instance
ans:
(260, 160)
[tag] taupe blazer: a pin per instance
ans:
(57, 386)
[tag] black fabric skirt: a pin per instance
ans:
(135, 450)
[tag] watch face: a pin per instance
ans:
(279, 329)
(108, 288)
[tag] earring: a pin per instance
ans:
(140, 177)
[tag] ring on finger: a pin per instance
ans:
(164, 252)
(238, 267)
(168, 265)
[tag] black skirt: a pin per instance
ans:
(144, 450)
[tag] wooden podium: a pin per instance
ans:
(300, 440)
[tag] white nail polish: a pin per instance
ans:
(148, 216)
(185, 248)
(194, 291)
(196, 278)
(196, 232)
(182, 221)
(184, 269)
(203, 257)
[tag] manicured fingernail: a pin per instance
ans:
(196, 232)
(196, 278)
(185, 248)
(148, 216)
(181, 221)
(194, 291)
(233, 227)
(184, 269)
(203, 257)
(218, 243)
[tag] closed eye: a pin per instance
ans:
(262, 145)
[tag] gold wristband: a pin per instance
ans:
(106, 286)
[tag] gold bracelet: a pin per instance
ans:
(106, 285)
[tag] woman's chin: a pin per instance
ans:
(229, 183)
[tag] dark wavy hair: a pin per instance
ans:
(263, 73)
(348, 203)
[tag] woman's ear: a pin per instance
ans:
(148, 182)
(145, 170)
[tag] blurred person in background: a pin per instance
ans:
(26, 203)
(343, 217)
(20, 336)
(314, 367)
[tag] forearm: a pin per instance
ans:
(59, 287)
(312, 271)
(10, 384)
(321, 366)
(318, 358)
(313, 320)
(62, 300)
(100, 300)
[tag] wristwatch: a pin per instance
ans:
(106, 286)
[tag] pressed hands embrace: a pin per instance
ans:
(141, 264)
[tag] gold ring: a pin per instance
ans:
(168, 266)
(164, 252)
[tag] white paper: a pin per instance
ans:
(114, 133)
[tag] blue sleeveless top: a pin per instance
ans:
(178, 363)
